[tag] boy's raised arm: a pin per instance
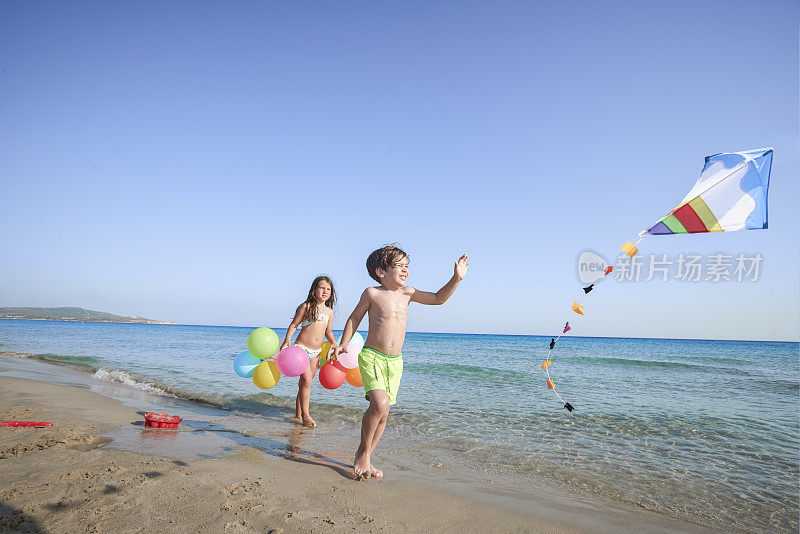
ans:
(353, 321)
(441, 296)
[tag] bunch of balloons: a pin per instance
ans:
(261, 362)
(332, 374)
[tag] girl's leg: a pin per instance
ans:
(304, 395)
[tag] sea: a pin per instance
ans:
(700, 430)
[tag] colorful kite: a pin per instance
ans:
(730, 194)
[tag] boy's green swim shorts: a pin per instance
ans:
(379, 371)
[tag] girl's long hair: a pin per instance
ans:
(311, 308)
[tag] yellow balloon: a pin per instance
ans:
(323, 350)
(266, 375)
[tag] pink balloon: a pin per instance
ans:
(349, 359)
(292, 361)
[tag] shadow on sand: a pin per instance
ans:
(292, 450)
(13, 520)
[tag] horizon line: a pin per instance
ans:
(442, 333)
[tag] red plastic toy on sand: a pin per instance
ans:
(25, 423)
(161, 420)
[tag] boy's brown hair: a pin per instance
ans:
(384, 258)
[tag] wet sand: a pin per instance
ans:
(67, 479)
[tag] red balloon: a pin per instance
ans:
(332, 375)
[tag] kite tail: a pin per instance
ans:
(630, 249)
(554, 387)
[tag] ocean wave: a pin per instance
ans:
(159, 388)
(657, 364)
(455, 370)
(83, 363)
(123, 377)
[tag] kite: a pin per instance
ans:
(729, 195)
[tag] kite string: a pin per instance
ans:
(546, 370)
(554, 384)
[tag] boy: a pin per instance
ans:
(381, 360)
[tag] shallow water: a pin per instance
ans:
(701, 430)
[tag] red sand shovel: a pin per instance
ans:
(37, 424)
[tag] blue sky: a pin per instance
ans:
(202, 162)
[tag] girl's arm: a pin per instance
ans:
(298, 318)
(329, 332)
(353, 321)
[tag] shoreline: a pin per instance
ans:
(70, 476)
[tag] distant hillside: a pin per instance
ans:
(72, 314)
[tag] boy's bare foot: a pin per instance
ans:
(374, 472)
(310, 423)
(361, 464)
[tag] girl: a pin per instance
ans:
(314, 317)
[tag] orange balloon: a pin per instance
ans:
(353, 377)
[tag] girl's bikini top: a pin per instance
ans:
(320, 317)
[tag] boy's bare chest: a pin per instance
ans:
(390, 308)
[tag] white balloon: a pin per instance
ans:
(357, 340)
(349, 358)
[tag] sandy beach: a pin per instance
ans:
(62, 479)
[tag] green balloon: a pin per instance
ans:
(263, 343)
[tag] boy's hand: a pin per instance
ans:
(460, 269)
(336, 351)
